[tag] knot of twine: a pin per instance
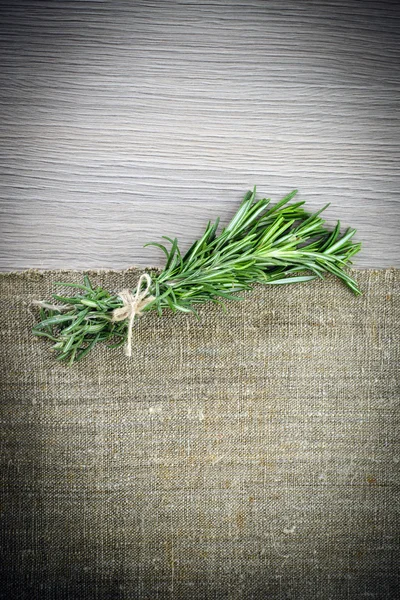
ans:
(132, 306)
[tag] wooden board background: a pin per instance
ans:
(122, 121)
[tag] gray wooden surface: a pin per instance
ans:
(125, 121)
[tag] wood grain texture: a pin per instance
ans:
(125, 121)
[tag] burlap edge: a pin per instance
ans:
(35, 274)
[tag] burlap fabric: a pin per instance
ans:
(251, 455)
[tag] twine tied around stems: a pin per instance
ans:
(133, 306)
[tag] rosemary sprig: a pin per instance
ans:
(262, 244)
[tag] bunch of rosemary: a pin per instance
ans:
(261, 244)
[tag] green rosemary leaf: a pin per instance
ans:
(55, 320)
(62, 356)
(45, 334)
(88, 348)
(183, 308)
(90, 303)
(287, 280)
(77, 321)
(94, 328)
(282, 202)
(68, 300)
(347, 236)
(68, 345)
(87, 283)
(72, 357)
(161, 246)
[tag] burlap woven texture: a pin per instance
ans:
(251, 455)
